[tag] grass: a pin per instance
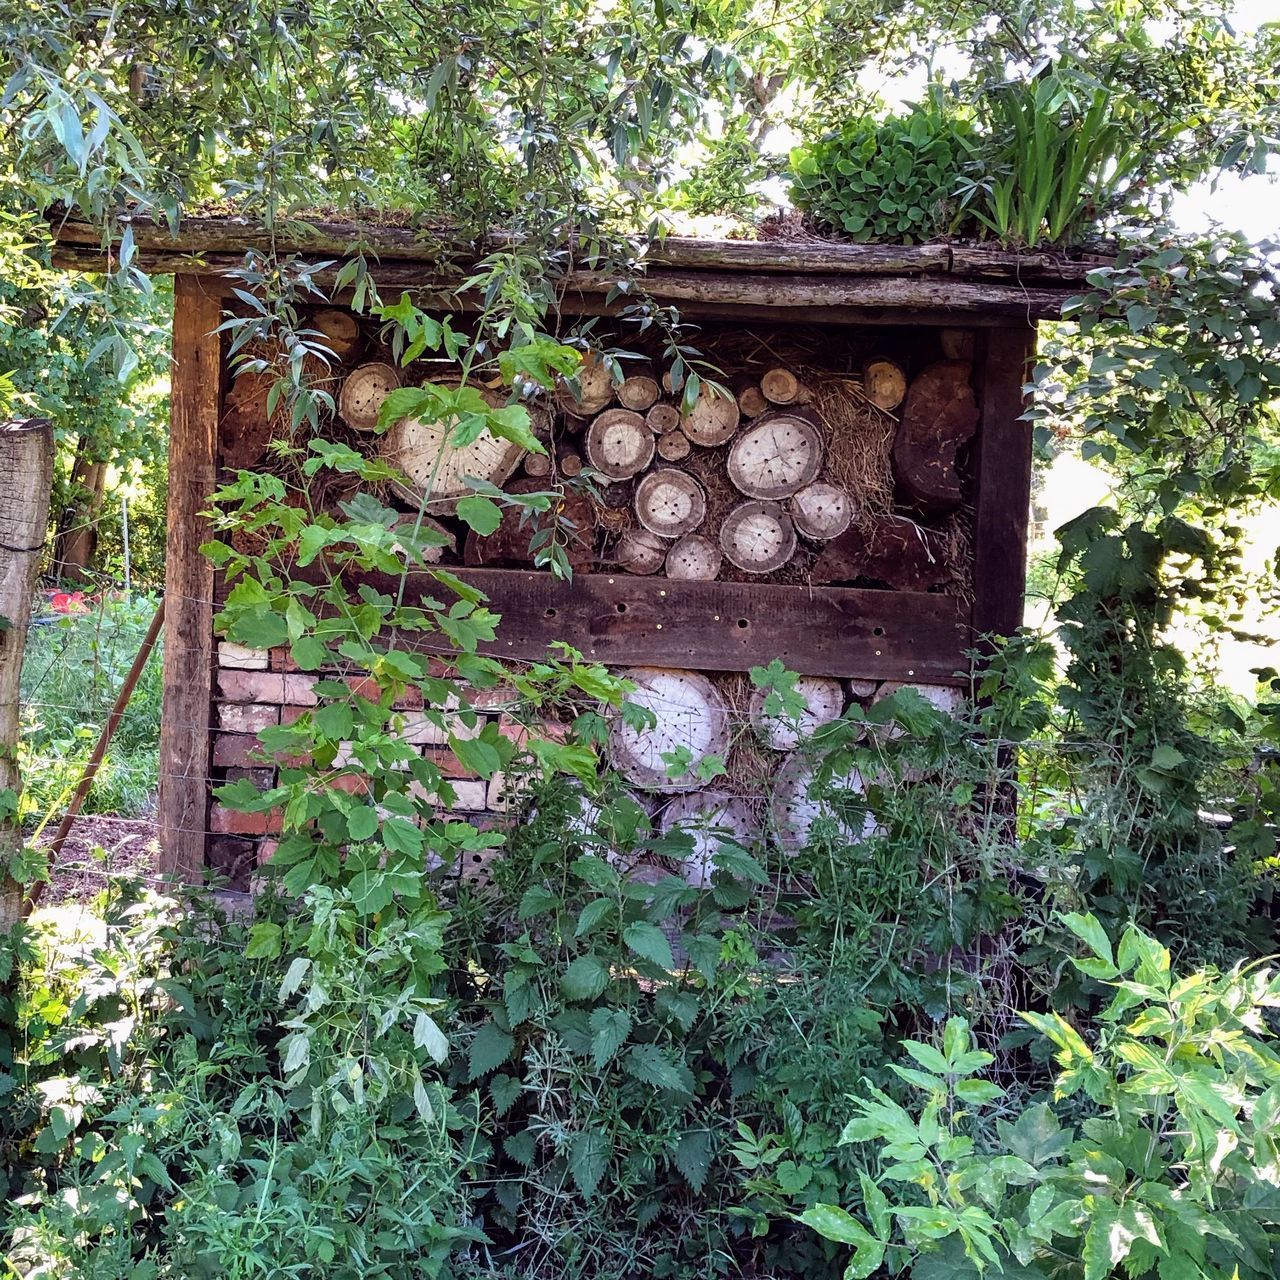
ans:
(74, 667)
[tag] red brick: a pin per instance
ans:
(281, 661)
(352, 783)
(241, 658)
(447, 763)
(519, 734)
(247, 717)
(409, 700)
(237, 750)
(365, 687)
(266, 850)
(251, 686)
(262, 779)
(229, 822)
(289, 714)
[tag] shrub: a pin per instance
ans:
(894, 179)
(1174, 1172)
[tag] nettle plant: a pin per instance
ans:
(1174, 1173)
(361, 834)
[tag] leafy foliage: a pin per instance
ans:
(1175, 1174)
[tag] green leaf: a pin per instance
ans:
(1092, 934)
(650, 943)
(293, 977)
(481, 514)
(585, 978)
(362, 822)
(927, 1056)
(876, 1204)
(264, 942)
(693, 1157)
(589, 1156)
(490, 1048)
(648, 1064)
(610, 1029)
(834, 1223)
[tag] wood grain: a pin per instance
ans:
(1002, 487)
(188, 651)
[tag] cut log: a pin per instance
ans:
(673, 446)
(670, 502)
(245, 430)
(423, 451)
(595, 388)
(823, 703)
(432, 552)
(663, 418)
(694, 559)
(897, 552)
(802, 807)
(639, 551)
(568, 460)
(884, 383)
(861, 690)
(709, 819)
(26, 482)
(619, 444)
(751, 400)
(572, 516)
(945, 698)
(539, 464)
(781, 386)
(958, 344)
(712, 420)
(776, 456)
(822, 511)
(638, 391)
(690, 716)
(339, 332)
(758, 537)
(363, 393)
(939, 416)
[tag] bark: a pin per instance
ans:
(77, 536)
(26, 482)
(940, 416)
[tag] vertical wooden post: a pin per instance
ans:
(195, 400)
(26, 479)
(1002, 498)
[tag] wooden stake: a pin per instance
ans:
(26, 481)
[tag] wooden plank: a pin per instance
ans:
(332, 237)
(623, 620)
(1002, 496)
(188, 650)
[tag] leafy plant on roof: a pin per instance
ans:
(893, 179)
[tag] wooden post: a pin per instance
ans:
(188, 586)
(1002, 497)
(26, 480)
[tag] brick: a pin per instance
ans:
(262, 779)
(228, 822)
(281, 661)
(242, 659)
(421, 731)
(468, 795)
(365, 687)
(289, 714)
(232, 859)
(353, 784)
(505, 793)
(447, 762)
(247, 717)
(251, 686)
(299, 691)
(498, 698)
(409, 700)
(266, 850)
(519, 733)
(237, 750)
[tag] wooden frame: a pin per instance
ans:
(195, 408)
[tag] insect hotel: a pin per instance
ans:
(850, 498)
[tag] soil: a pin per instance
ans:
(97, 848)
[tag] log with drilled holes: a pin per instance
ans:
(693, 558)
(638, 391)
(758, 537)
(751, 400)
(670, 502)
(884, 383)
(595, 389)
(781, 386)
(778, 455)
(821, 511)
(708, 819)
(639, 551)
(673, 446)
(691, 721)
(823, 700)
(663, 418)
(363, 392)
(939, 416)
(619, 444)
(712, 420)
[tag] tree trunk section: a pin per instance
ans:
(26, 482)
(77, 536)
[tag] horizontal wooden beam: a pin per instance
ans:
(623, 620)
(334, 238)
(868, 299)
